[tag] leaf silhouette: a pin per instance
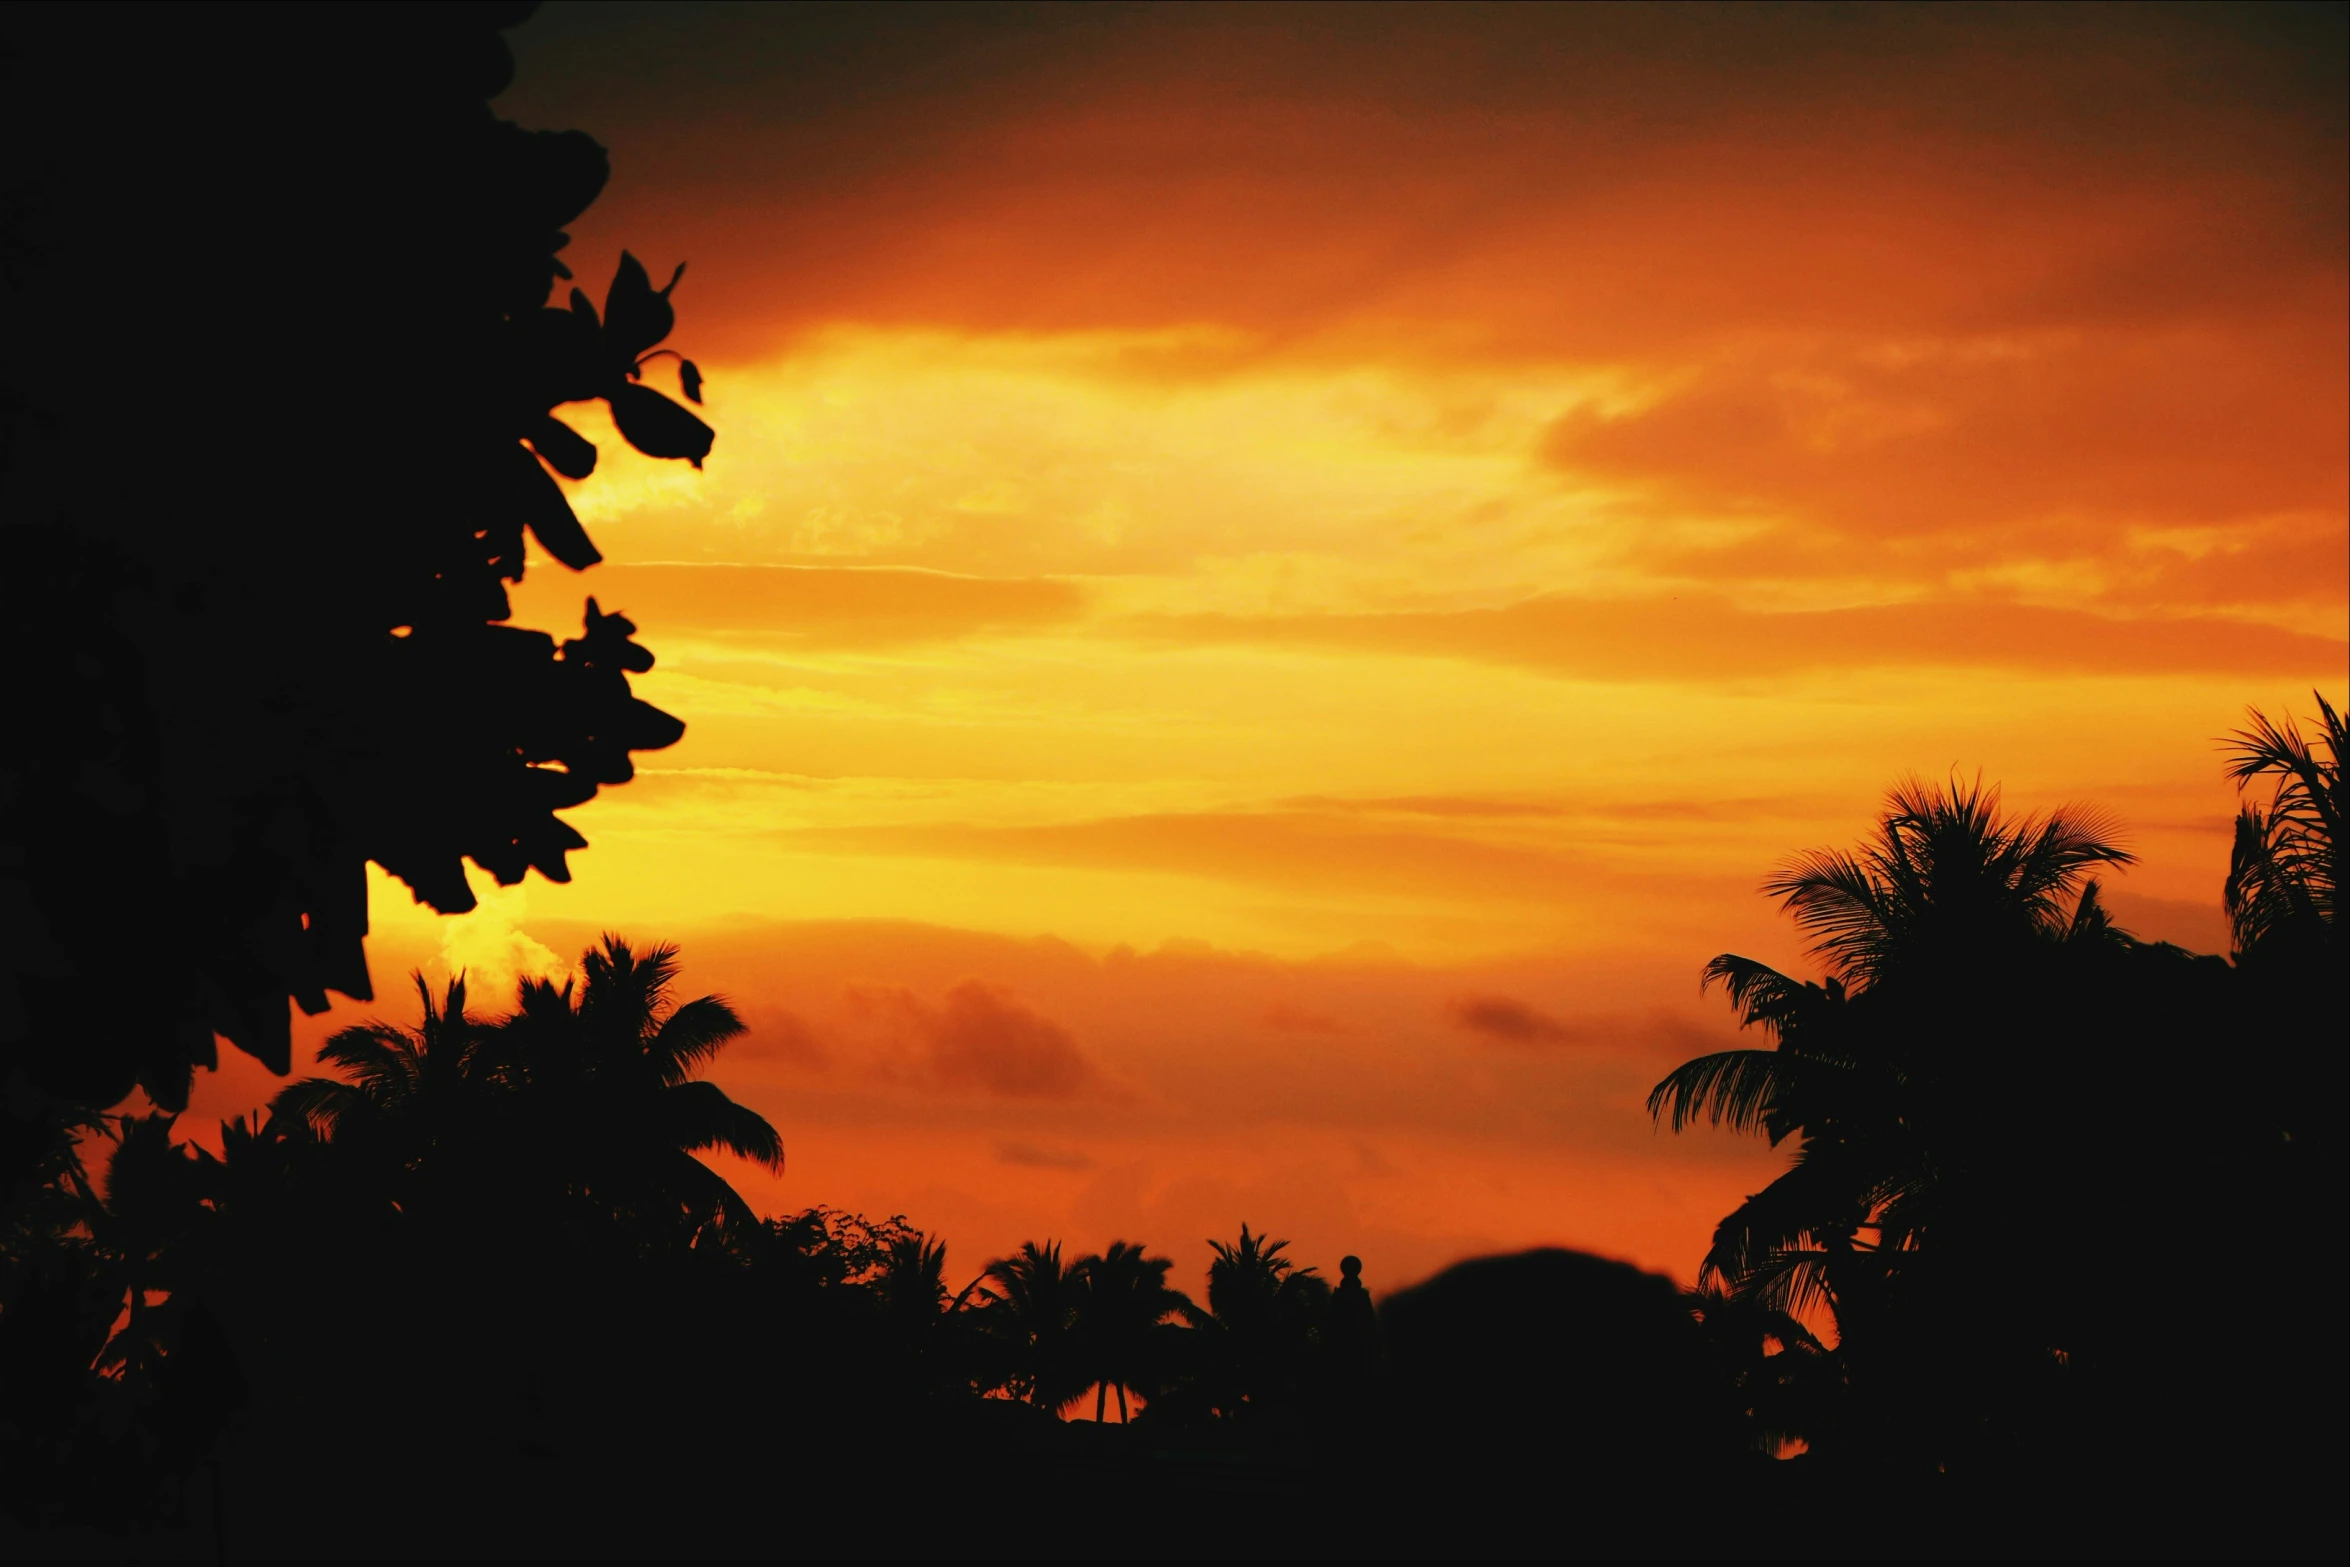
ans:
(658, 427)
(567, 451)
(636, 317)
(607, 643)
(644, 727)
(564, 171)
(689, 376)
(546, 511)
(563, 354)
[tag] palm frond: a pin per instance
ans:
(379, 1057)
(695, 1116)
(1790, 1281)
(1733, 1087)
(1845, 908)
(2090, 921)
(322, 1103)
(2051, 854)
(693, 1034)
(1825, 1190)
(627, 993)
(2285, 870)
(1783, 1006)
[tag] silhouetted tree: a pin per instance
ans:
(589, 1089)
(1124, 1304)
(408, 1093)
(1933, 1083)
(1258, 1332)
(1037, 1317)
(260, 642)
(2285, 870)
(1788, 1386)
(913, 1278)
(836, 1249)
(2283, 898)
(1946, 888)
(2279, 1175)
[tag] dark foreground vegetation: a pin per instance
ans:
(2060, 1245)
(481, 1248)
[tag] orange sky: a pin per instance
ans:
(1272, 580)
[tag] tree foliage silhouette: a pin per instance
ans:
(1987, 1065)
(589, 1088)
(1124, 1307)
(2285, 868)
(1948, 895)
(1038, 1318)
(1259, 1330)
(261, 641)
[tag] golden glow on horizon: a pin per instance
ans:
(1236, 540)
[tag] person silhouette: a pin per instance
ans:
(1353, 1333)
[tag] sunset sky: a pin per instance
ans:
(1272, 580)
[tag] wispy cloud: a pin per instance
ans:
(808, 606)
(1031, 1156)
(1710, 639)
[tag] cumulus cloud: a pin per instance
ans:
(1506, 1018)
(984, 1040)
(489, 947)
(778, 1034)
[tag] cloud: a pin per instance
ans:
(1280, 848)
(1429, 805)
(2111, 468)
(1505, 1018)
(1707, 638)
(1288, 1019)
(1902, 438)
(984, 1040)
(490, 948)
(777, 1034)
(1030, 1156)
(1290, 169)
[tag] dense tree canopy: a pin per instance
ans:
(274, 437)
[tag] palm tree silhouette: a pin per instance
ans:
(589, 1089)
(2285, 872)
(1786, 1382)
(2291, 1015)
(1037, 1312)
(912, 1283)
(404, 1087)
(605, 1071)
(1924, 933)
(140, 1226)
(1123, 1307)
(1260, 1326)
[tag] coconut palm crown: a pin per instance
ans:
(1931, 916)
(2285, 872)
